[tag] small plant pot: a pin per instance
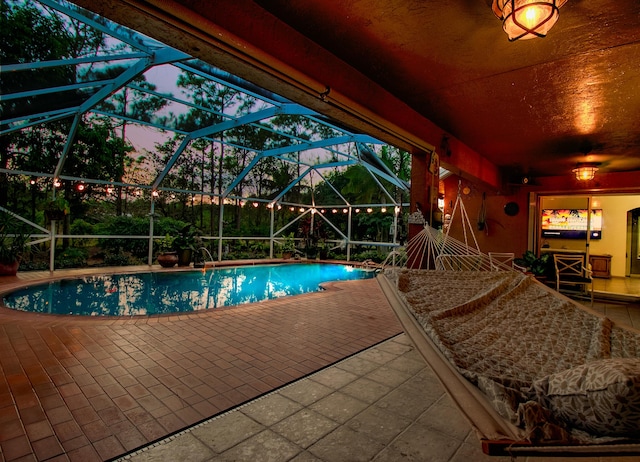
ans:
(184, 257)
(286, 255)
(168, 259)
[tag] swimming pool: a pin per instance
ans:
(176, 292)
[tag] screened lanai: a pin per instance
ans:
(113, 123)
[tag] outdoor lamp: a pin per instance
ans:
(527, 19)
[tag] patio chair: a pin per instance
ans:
(571, 270)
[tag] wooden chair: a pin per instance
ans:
(571, 270)
(501, 261)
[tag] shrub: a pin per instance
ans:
(128, 226)
(79, 226)
(118, 260)
(72, 257)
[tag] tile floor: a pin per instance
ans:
(98, 389)
(384, 404)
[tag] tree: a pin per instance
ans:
(43, 35)
(133, 101)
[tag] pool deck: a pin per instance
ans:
(89, 389)
(325, 376)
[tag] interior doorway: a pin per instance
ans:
(633, 224)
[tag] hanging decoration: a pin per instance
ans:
(482, 214)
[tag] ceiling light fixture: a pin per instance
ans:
(527, 19)
(585, 172)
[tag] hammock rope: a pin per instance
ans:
(435, 247)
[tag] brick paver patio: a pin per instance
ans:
(88, 389)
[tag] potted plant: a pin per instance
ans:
(185, 244)
(167, 255)
(288, 246)
(538, 266)
(57, 209)
(12, 249)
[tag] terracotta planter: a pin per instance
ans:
(168, 259)
(9, 269)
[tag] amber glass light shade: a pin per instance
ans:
(527, 19)
(585, 172)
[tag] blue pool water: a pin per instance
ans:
(162, 292)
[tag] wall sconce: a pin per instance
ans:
(585, 172)
(527, 19)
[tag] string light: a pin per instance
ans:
(369, 210)
(383, 210)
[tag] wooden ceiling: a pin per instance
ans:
(426, 72)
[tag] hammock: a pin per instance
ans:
(503, 344)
